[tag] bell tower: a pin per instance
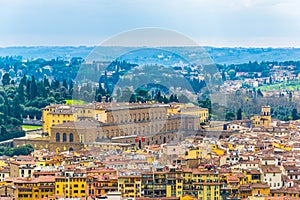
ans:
(266, 116)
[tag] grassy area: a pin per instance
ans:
(292, 86)
(75, 102)
(27, 127)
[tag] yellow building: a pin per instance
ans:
(34, 188)
(260, 189)
(165, 183)
(49, 161)
(2, 164)
(196, 153)
(188, 109)
(286, 192)
(214, 148)
(58, 114)
(253, 176)
(70, 187)
(130, 186)
(202, 184)
(282, 146)
(264, 119)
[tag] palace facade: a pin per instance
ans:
(70, 127)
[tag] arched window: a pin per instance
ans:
(57, 137)
(64, 137)
(71, 137)
(134, 117)
(112, 133)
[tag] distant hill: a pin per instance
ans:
(244, 55)
(46, 52)
(219, 55)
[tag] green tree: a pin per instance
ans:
(295, 115)
(99, 98)
(24, 80)
(46, 82)
(132, 98)
(206, 104)
(45, 87)
(33, 88)
(65, 84)
(16, 108)
(28, 84)
(101, 90)
(171, 98)
(259, 93)
(71, 85)
(6, 79)
(118, 93)
(165, 100)
(176, 99)
(239, 114)
(22, 150)
(158, 97)
(231, 74)
(229, 116)
(55, 85)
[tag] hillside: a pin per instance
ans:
(219, 55)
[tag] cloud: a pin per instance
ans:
(60, 22)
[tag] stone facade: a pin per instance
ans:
(143, 124)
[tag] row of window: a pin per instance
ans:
(137, 117)
(71, 180)
(143, 129)
(64, 137)
(64, 121)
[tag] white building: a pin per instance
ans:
(272, 176)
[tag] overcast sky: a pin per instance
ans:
(267, 23)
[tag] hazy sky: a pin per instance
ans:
(208, 22)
